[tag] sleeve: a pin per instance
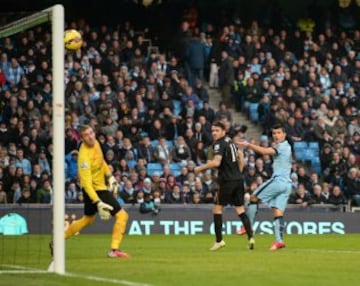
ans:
(106, 169)
(277, 149)
(219, 148)
(210, 153)
(86, 178)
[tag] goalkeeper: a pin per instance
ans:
(98, 186)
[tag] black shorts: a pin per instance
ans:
(107, 197)
(230, 193)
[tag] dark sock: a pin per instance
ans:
(246, 223)
(218, 227)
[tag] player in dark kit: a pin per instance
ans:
(229, 161)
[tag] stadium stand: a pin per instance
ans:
(312, 76)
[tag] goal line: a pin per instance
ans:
(14, 269)
(25, 270)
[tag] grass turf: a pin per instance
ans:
(186, 260)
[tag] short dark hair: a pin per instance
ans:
(219, 124)
(278, 126)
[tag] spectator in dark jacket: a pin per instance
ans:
(337, 197)
(226, 78)
(301, 197)
(148, 206)
(352, 186)
(195, 60)
(318, 197)
(175, 195)
(26, 197)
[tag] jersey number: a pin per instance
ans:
(233, 150)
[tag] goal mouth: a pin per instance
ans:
(54, 15)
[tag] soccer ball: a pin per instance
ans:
(72, 40)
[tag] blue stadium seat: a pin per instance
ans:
(154, 142)
(177, 107)
(315, 159)
(253, 112)
(314, 145)
(175, 169)
(316, 168)
(300, 145)
(311, 154)
(154, 167)
(131, 163)
(315, 163)
(300, 154)
(170, 143)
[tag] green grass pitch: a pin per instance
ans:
(161, 260)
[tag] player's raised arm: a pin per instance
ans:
(258, 149)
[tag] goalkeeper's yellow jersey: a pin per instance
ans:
(92, 170)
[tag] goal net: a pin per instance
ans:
(23, 245)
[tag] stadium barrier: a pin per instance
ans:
(197, 219)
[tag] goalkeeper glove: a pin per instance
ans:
(112, 184)
(104, 210)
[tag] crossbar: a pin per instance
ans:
(26, 23)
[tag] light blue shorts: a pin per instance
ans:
(274, 192)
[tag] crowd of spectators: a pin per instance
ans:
(152, 107)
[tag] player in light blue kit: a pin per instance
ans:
(276, 190)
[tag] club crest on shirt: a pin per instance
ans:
(84, 165)
(216, 147)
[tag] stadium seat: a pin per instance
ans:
(300, 154)
(170, 143)
(314, 145)
(175, 169)
(177, 107)
(316, 168)
(316, 164)
(154, 143)
(154, 167)
(300, 145)
(253, 112)
(311, 154)
(131, 163)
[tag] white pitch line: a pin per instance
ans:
(27, 270)
(16, 269)
(327, 250)
(23, 272)
(22, 268)
(101, 279)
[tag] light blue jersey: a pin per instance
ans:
(275, 192)
(282, 160)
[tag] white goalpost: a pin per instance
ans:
(54, 14)
(58, 138)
